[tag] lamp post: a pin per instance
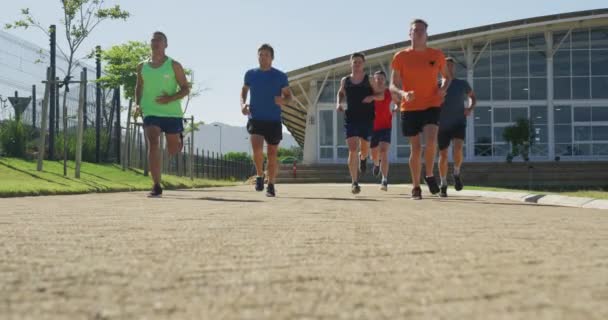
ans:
(217, 125)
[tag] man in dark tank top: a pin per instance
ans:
(360, 94)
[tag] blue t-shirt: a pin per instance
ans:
(264, 86)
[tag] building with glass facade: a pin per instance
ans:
(552, 70)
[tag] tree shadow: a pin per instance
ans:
(331, 198)
(214, 199)
(32, 175)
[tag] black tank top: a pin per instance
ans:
(357, 111)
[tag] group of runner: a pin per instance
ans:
(432, 114)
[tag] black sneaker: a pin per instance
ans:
(270, 192)
(362, 165)
(444, 192)
(432, 184)
(417, 193)
(259, 184)
(458, 183)
(376, 171)
(384, 185)
(355, 189)
(156, 191)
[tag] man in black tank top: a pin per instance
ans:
(360, 93)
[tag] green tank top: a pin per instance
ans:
(159, 81)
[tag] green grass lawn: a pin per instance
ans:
(20, 178)
(596, 193)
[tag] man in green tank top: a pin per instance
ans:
(161, 84)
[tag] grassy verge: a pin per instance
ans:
(596, 193)
(20, 178)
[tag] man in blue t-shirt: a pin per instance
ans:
(453, 125)
(269, 93)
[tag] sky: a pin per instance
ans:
(218, 40)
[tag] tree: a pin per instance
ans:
(295, 152)
(521, 137)
(238, 156)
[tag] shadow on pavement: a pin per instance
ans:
(213, 199)
(331, 198)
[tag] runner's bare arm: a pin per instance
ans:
(341, 95)
(139, 88)
(285, 97)
(244, 105)
(445, 80)
(378, 94)
(396, 85)
(472, 103)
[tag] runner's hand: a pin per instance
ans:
(339, 107)
(409, 96)
(395, 108)
(137, 113)
(467, 112)
(368, 99)
(164, 99)
(245, 110)
(279, 101)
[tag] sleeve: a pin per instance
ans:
(247, 81)
(396, 63)
(284, 81)
(441, 59)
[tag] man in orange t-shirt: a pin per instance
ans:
(415, 74)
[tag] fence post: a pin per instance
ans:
(43, 123)
(192, 147)
(80, 132)
(127, 146)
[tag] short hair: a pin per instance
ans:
(426, 25)
(450, 59)
(162, 34)
(268, 48)
(380, 73)
(357, 55)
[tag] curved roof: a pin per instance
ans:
(295, 117)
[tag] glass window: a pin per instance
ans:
(483, 135)
(401, 140)
(541, 134)
(500, 89)
(519, 43)
(498, 131)
(539, 149)
(582, 133)
(500, 45)
(326, 127)
(538, 88)
(538, 114)
(582, 149)
(342, 152)
(500, 64)
(599, 87)
(563, 133)
(599, 114)
(329, 92)
(580, 39)
(563, 149)
(582, 114)
(502, 115)
(327, 153)
(519, 64)
(537, 42)
(519, 113)
(538, 63)
(581, 88)
(562, 114)
(599, 62)
(599, 133)
(482, 88)
(599, 38)
(482, 68)
(501, 149)
(403, 152)
(561, 63)
(600, 149)
(519, 89)
(561, 88)
(483, 115)
(580, 63)
(483, 150)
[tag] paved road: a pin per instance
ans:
(315, 252)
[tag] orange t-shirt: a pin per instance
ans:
(419, 71)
